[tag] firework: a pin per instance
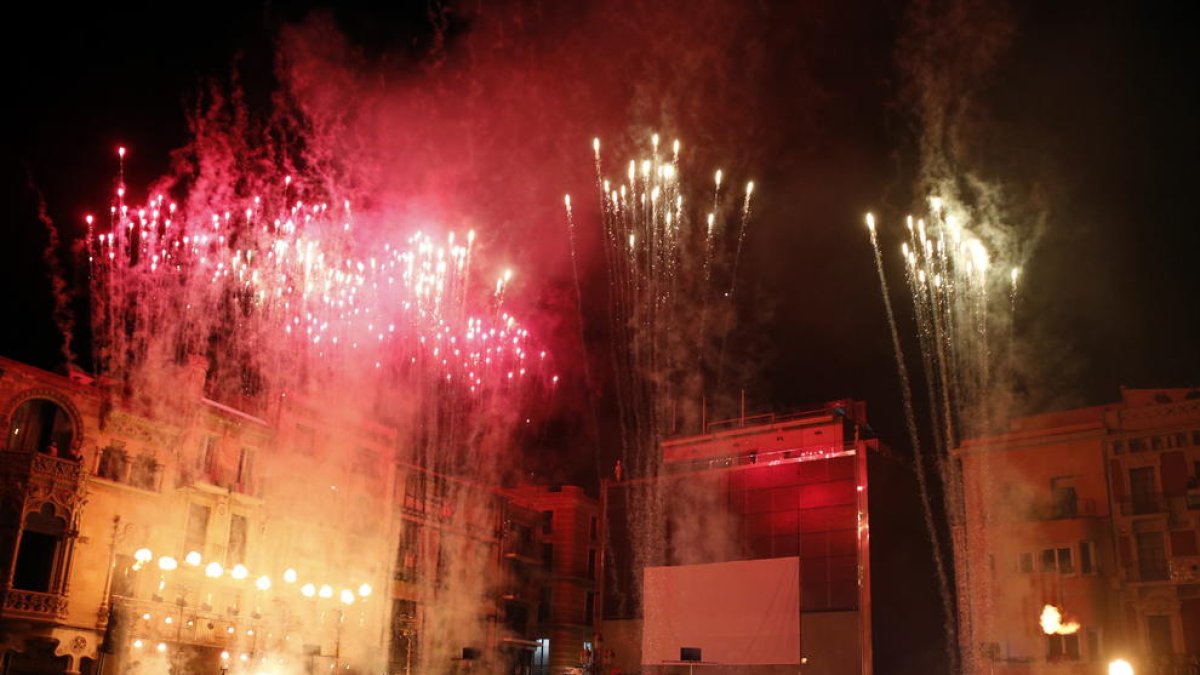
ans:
(281, 291)
(952, 278)
(671, 270)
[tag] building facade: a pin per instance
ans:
(185, 534)
(1094, 512)
(569, 538)
(756, 488)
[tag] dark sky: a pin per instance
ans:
(1088, 114)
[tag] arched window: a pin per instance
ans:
(38, 556)
(41, 425)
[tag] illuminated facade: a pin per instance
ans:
(168, 533)
(1096, 512)
(762, 487)
(190, 535)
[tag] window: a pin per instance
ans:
(547, 522)
(1158, 629)
(414, 492)
(1065, 564)
(125, 577)
(589, 607)
(406, 558)
(144, 472)
(544, 605)
(41, 425)
(548, 556)
(197, 527)
(1118, 447)
(112, 463)
(541, 657)
(591, 572)
(1093, 644)
(1141, 490)
(245, 469)
(1026, 563)
(1062, 647)
(210, 459)
(1137, 444)
(1152, 556)
(595, 531)
(39, 554)
(1087, 555)
(1057, 560)
(1049, 563)
(237, 540)
(1063, 497)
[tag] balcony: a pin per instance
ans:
(39, 465)
(1143, 505)
(1185, 570)
(33, 606)
(1064, 510)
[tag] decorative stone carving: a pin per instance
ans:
(33, 605)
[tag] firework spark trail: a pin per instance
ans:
(593, 421)
(950, 274)
(914, 436)
(662, 269)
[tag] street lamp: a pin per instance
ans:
(1119, 667)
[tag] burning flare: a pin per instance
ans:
(1052, 622)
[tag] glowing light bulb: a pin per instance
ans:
(162, 647)
(143, 555)
(239, 572)
(347, 596)
(263, 583)
(224, 656)
(193, 558)
(871, 222)
(289, 575)
(214, 570)
(596, 145)
(364, 590)
(326, 591)
(167, 563)
(121, 152)
(1119, 667)
(137, 644)
(308, 590)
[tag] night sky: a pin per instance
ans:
(1086, 118)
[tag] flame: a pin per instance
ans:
(1052, 622)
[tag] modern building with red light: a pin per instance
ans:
(752, 489)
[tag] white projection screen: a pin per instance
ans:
(745, 612)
